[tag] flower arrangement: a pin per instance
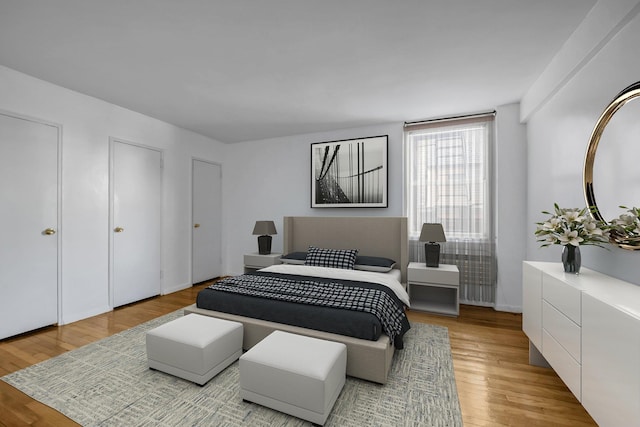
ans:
(573, 227)
(626, 228)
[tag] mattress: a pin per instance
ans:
(353, 323)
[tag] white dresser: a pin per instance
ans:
(587, 327)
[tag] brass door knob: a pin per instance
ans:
(196, 225)
(118, 229)
(49, 231)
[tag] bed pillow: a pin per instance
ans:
(334, 258)
(294, 258)
(374, 263)
(363, 262)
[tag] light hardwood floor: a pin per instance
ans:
(496, 385)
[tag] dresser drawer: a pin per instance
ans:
(563, 297)
(563, 329)
(565, 366)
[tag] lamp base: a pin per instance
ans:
(264, 245)
(432, 254)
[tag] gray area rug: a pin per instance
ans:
(108, 383)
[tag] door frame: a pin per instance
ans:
(211, 162)
(58, 128)
(112, 144)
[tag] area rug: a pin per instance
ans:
(108, 383)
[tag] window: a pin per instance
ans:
(448, 181)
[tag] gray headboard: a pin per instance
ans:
(372, 236)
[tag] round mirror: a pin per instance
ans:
(614, 175)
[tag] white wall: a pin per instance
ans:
(270, 179)
(511, 199)
(87, 123)
(265, 179)
(559, 130)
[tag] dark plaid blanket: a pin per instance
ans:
(331, 294)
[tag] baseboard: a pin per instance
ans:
(66, 319)
(477, 303)
(497, 307)
(509, 308)
(176, 288)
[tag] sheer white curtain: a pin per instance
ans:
(449, 181)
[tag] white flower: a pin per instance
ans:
(626, 228)
(626, 219)
(573, 215)
(552, 224)
(593, 229)
(570, 238)
(572, 227)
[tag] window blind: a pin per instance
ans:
(449, 181)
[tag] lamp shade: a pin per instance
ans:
(264, 228)
(432, 233)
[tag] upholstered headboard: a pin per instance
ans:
(372, 236)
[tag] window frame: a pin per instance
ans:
(455, 125)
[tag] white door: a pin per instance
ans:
(207, 221)
(136, 174)
(29, 219)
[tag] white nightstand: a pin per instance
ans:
(255, 261)
(434, 289)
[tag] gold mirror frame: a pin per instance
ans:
(628, 94)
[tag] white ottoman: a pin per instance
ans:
(294, 374)
(194, 347)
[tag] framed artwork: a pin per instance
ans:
(350, 173)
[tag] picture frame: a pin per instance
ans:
(350, 173)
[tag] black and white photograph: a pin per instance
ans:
(349, 173)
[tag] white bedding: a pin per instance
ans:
(389, 279)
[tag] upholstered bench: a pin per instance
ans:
(194, 347)
(294, 374)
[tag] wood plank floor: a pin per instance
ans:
(496, 385)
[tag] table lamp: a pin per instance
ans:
(432, 233)
(264, 230)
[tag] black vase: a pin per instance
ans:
(571, 259)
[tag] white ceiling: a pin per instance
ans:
(238, 70)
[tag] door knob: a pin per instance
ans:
(49, 231)
(118, 229)
(196, 225)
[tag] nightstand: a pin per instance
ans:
(255, 261)
(434, 289)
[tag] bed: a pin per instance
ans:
(369, 351)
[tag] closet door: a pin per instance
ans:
(207, 221)
(136, 199)
(29, 219)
